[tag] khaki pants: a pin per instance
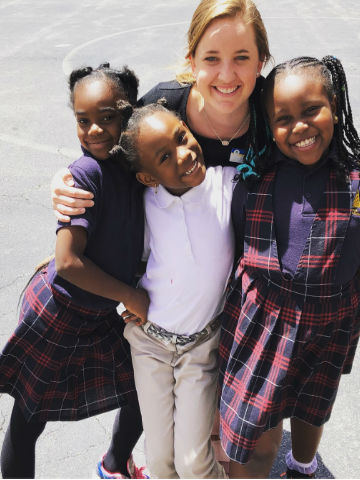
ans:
(176, 386)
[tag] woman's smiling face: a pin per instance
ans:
(226, 63)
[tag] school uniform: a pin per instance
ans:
(190, 248)
(291, 321)
(67, 358)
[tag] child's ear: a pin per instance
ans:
(146, 179)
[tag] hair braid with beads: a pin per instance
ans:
(347, 137)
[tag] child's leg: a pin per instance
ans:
(18, 450)
(127, 429)
(154, 381)
(305, 439)
(259, 466)
(196, 375)
(220, 455)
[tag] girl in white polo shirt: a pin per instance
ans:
(189, 247)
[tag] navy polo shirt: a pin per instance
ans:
(298, 191)
(115, 227)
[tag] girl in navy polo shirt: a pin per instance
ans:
(68, 359)
(291, 322)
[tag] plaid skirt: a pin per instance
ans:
(280, 358)
(64, 362)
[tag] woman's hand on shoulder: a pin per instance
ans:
(68, 200)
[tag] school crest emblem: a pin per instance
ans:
(355, 210)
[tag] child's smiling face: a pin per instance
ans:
(98, 121)
(169, 154)
(301, 116)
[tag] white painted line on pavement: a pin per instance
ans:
(67, 66)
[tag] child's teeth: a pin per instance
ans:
(191, 169)
(306, 143)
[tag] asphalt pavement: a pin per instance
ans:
(41, 42)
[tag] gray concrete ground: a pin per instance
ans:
(41, 42)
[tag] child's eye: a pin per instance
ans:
(282, 120)
(182, 138)
(164, 157)
(242, 57)
(312, 110)
(108, 118)
(82, 121)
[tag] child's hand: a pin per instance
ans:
(66, 199)
(137, 308)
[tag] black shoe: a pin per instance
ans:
(295, 474)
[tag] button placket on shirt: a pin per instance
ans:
(188, 249)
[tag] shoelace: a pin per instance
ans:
(139, 472)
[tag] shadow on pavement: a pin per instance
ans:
(279, 466)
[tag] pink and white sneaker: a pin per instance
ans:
(133, 470)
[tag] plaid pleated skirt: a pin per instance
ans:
(64, 362)
(281, 357)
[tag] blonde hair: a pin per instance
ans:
(210, 10)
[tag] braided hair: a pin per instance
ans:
(332, 74)
(127, 149)
(124, 80)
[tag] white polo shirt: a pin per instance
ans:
(189, 243)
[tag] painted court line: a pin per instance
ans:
(67, 65)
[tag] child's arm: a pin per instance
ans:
(75, 267)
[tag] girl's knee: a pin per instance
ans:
(268, 444)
